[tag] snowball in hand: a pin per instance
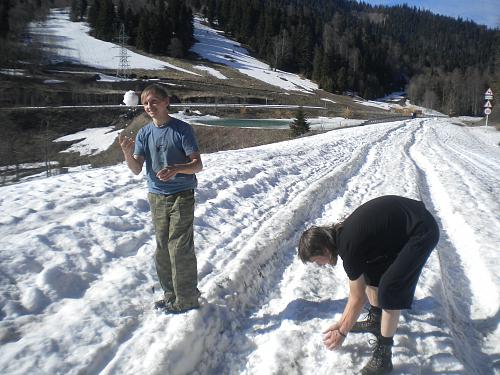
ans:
(130, 98)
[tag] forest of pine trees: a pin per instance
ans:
(342, 45)
(348, 46)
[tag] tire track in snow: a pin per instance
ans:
(466, 231)
(470, 316)
(266, 188)
(244, 278)
(396, 173)
(272, 269)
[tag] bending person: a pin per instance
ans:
(384, 245)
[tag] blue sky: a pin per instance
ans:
(484, 12)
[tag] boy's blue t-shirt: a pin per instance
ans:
(167, 145)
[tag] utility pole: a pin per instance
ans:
(44, 127)
(488, 96)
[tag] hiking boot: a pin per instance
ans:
(381, 361)
(371, 324)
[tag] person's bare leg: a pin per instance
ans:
(389, 324)
(371, 322)
(371, 293)
(381, 361)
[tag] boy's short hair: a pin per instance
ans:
(156, 90)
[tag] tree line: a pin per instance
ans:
(371, 50)
(342, 45)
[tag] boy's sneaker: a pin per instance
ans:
(371, 324)
(171, 305)
(381, 361)
(174, 308)
(163, 303)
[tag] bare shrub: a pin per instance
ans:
(347, 113)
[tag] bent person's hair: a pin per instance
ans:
(315, 240)
(155, 89)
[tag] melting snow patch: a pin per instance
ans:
(211, 71)
(93, 141)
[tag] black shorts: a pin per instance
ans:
(397, 278)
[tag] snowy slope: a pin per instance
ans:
(69, 41)
(213, 46)
(77, 272)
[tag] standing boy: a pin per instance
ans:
(169, 148)
(384, 245)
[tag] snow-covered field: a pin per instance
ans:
(77, 271)
(77, 275)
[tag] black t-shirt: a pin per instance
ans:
(377, 231)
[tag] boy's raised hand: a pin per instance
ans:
(126, 143)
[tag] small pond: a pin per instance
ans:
(247, 123)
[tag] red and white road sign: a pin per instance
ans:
(488, 95)
(487, 111)
(488, 104)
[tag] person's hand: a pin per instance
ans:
(167, 173)
(126, 143)
(332, 337)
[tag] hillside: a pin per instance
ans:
(82, 72)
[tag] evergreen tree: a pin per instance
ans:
(317, 64)
(299, 125)
(142, 40)
(160, 32)
(131, 22)
(83, 9)
(121, 13)
(176, 48)
(209, 11)
(78, 9)
(74, 10)
(93, 13)
(105, 23)
(4, 18)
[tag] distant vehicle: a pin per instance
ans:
(416, 113)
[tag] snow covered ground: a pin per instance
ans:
(76, 269)
(90, 141)
(77, 273)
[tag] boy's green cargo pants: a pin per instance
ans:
(175, 259)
